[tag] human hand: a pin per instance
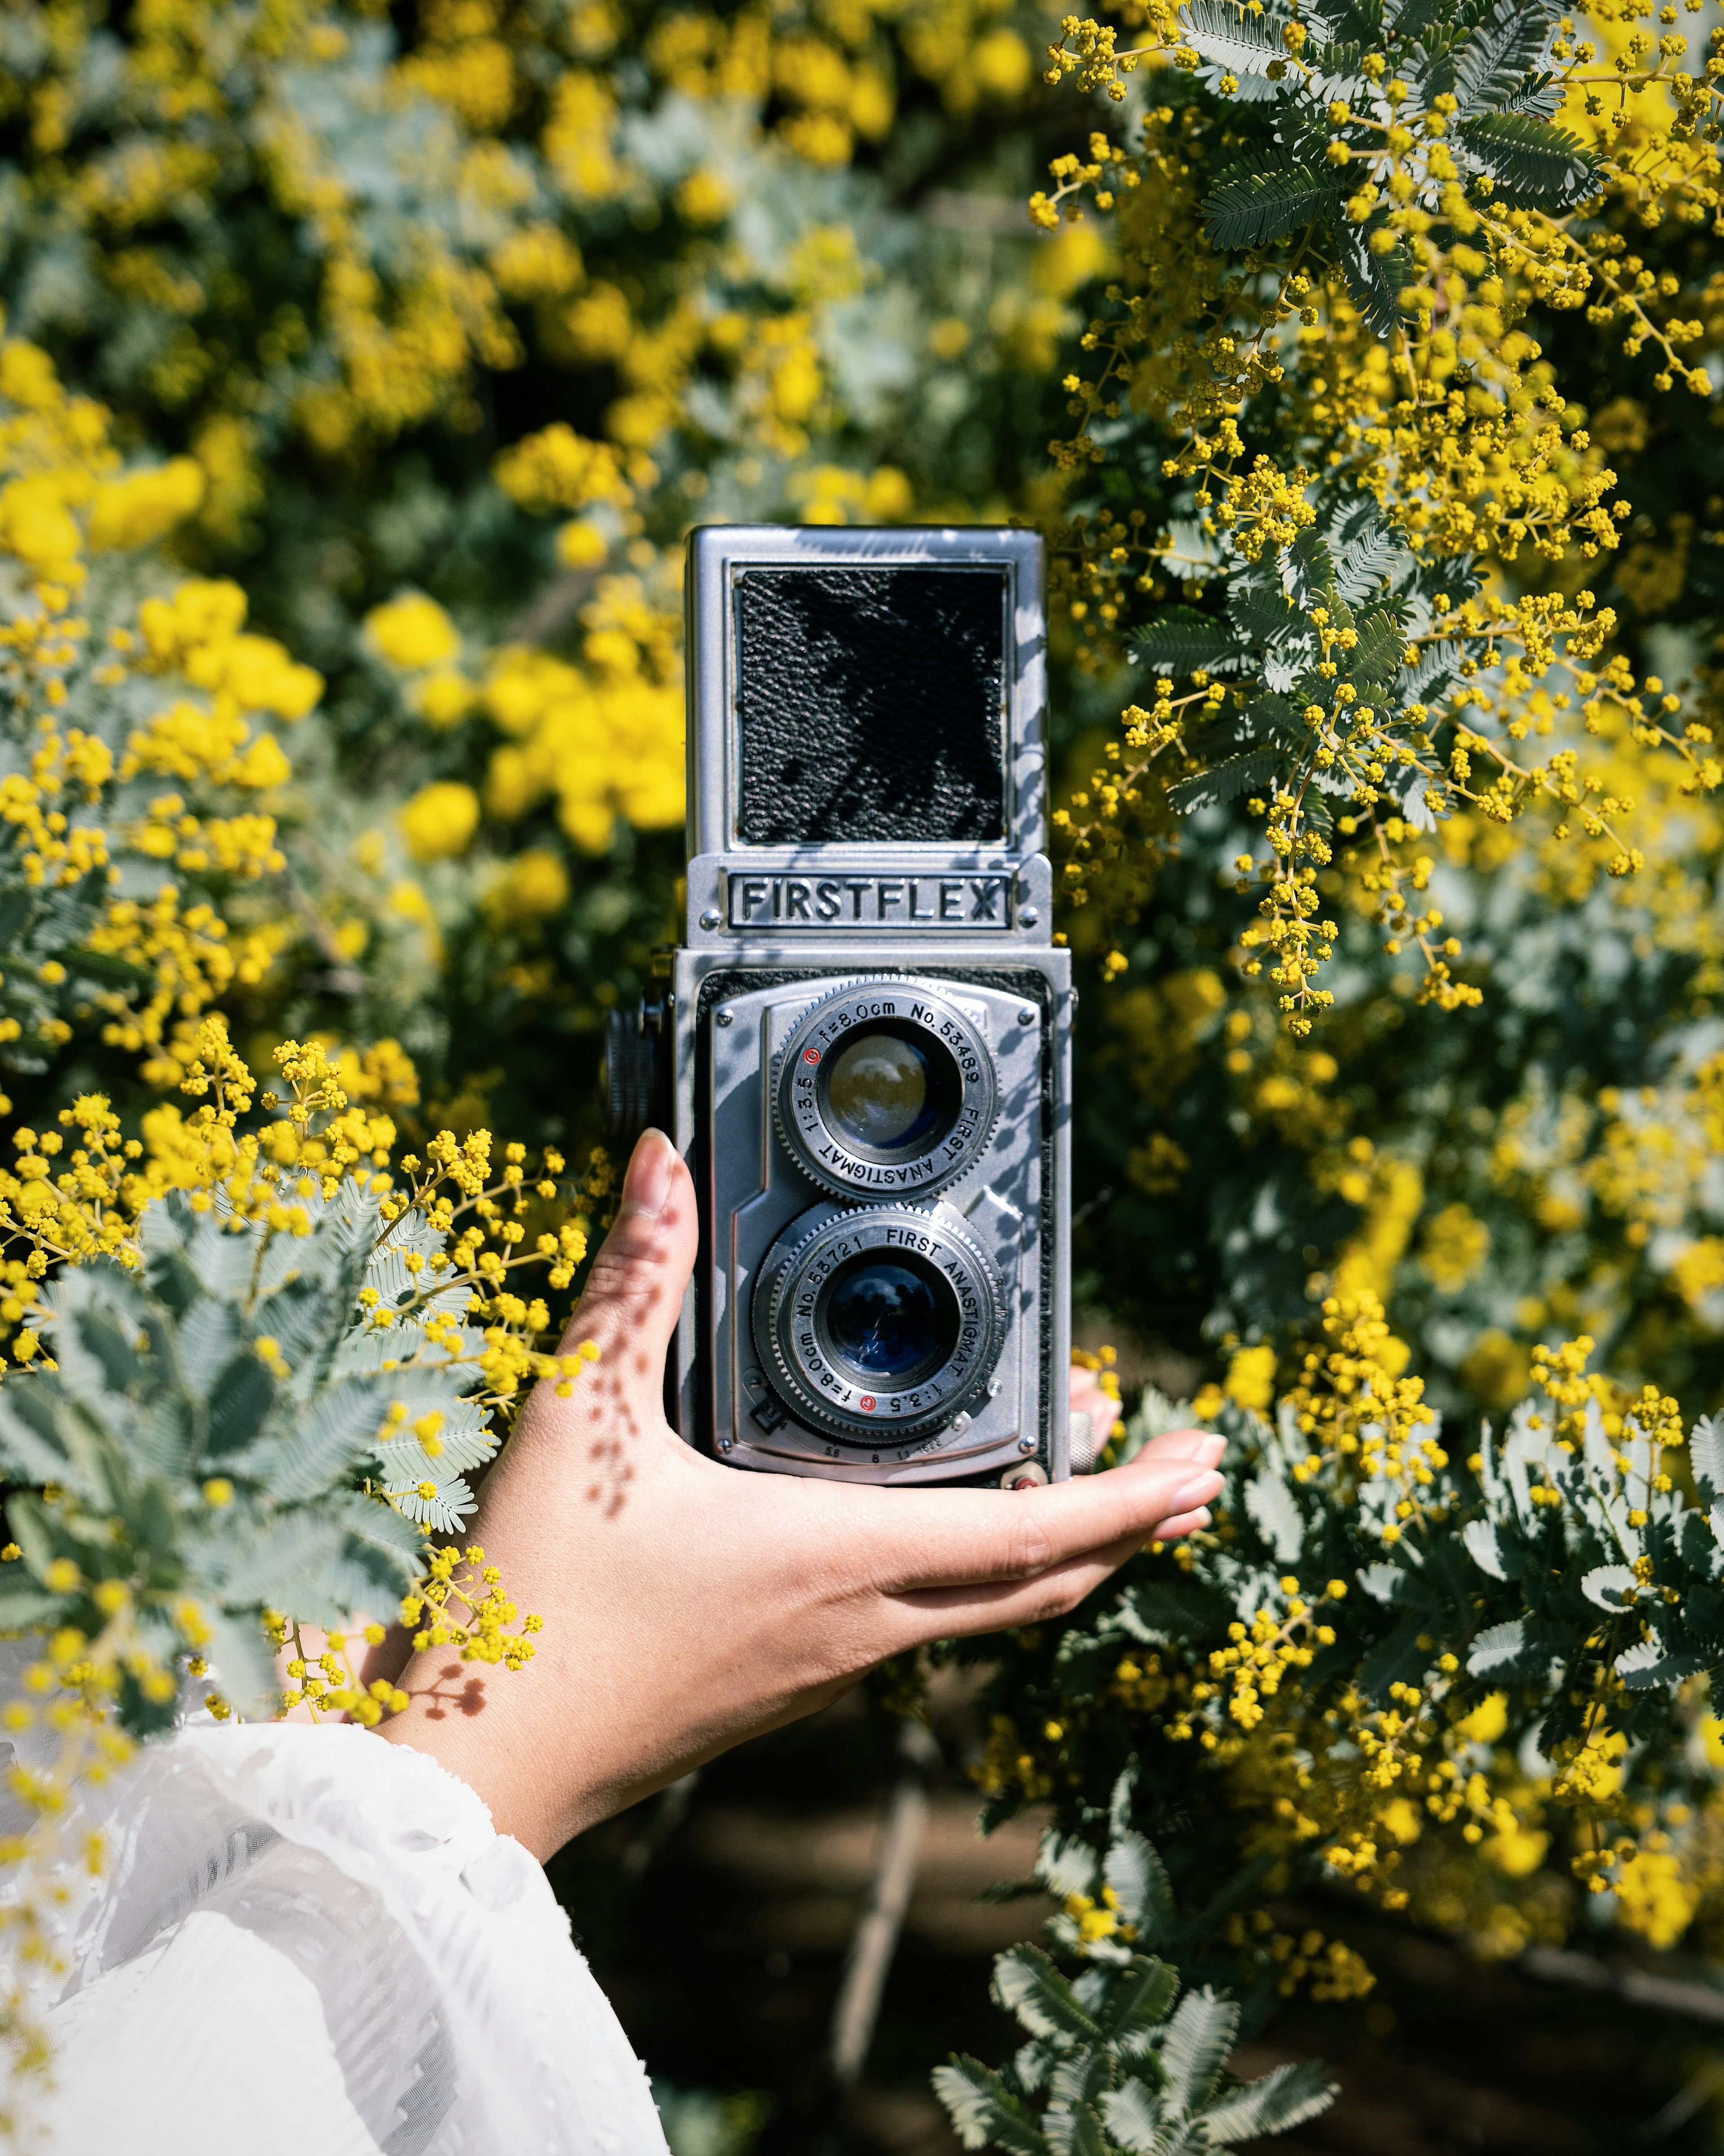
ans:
(688, 1606)
(1103, 1409)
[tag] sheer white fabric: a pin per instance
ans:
(309, 1942)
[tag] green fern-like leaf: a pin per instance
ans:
(1226, 780)
(1198, 2039)
(1251, 204)
(1534, 165)
(1376, 281)
(1026, 1983)
(1280, 2101)
(1181, 640)
(1227, 37)
(984, 2112)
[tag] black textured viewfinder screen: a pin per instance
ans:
(870, 704)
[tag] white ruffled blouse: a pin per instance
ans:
(307, 1942)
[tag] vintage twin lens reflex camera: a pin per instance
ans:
(863, 1046)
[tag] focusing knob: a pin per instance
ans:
(630, 1073)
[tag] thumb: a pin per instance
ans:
(634, 1292)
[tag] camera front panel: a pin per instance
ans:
(877, 1300)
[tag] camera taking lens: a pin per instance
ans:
(884, 1318)
(878, 1323)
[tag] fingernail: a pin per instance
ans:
(1195, 1493)
(1210, 1450)
(1192, 1525)
(647, 1185)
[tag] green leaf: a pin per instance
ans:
(1159, 1612)
(340, 1431)
(1535, 166)
(1066, 1865)
(1224, 780)
(1606, 1585)
(1133, 2115)
(109, 1344)
(1646, 1665)
(1195, 2049)
(1026, 1983)
(1496, 59)
(239, 1403)
(1249, 205)
(31, 1449)
(1285, 2098)
(1376, 655)
(242, 1663)
(983, 2111)
(1363, 559)
(1484, 1546)
(1078, 2079)
(1142, 1993)
(1182, 641)
(1270, 1505)
(295, 1563)
(1086, 2137)
(1376, 281)
(1227, 37)
(1503, 1648)
(1705, 1453)
(205, 1341)
(1139, 1880)
(17, 907)
(25, 1607)
(1262, 612)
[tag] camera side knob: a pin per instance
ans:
(632, 1069)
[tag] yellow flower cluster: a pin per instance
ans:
(599, 739)
(1455, 425)
(469, 1609)
(67, 1207)
(1362, 1422)
(83, 807)
(1533, 666)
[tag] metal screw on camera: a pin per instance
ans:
(724, 1018)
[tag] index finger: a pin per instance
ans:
(946, 1539)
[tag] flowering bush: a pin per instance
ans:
(340, 646)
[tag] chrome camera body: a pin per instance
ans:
(864, 1051)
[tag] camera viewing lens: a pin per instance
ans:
(889, 1321)
(882, 1092)
(887, 1084)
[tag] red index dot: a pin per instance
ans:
(811, 1055)
(868, 1402)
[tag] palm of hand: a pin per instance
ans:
(688, 1606)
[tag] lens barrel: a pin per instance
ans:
(878, 1325)
(886, 1086)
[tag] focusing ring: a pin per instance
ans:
(958, 1065)
(793, 1336)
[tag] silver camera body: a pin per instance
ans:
(865, 1048)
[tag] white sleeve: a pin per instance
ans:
(307, 1942)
